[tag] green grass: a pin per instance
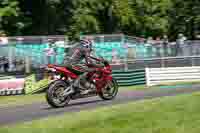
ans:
(180, 83)
(137, 87)
(178, 114)
(7, 101)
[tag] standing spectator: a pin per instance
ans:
(149, 44)
(114, 57)
(158, 47)
(3, 39)
(165, 42)
(50, 52)
(131, 54)
(180, 44)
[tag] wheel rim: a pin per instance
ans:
(57, 96)
(110, 91)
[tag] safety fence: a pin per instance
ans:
(32, 84)
(130, 77)
(12, 86)
(149, 76)
(158, 76)
(28, 53)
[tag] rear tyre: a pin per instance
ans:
(54, 95)
(110, 91)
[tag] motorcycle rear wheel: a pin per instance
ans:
(54, 94)
(109, 92)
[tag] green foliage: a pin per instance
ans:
(8, 10)
(71, 17)
(161, 115)
(184, 17)
(83, 18)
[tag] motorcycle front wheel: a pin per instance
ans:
(54, 94)
(110, 91)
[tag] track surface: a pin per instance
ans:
(13, 115)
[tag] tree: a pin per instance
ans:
(8, 11)
(134, 17)
(184, 17)
(152, 16)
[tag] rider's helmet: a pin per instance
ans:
(86, 43)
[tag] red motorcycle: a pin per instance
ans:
(99, 83)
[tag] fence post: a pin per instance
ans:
(162, 55)
(125, 64)
(147, 76)
(27, 64)
(162, 62)
(10, 58)
(192, 61)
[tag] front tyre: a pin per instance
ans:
(54, 94)
(110, 91)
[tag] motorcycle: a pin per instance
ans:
(99, 83)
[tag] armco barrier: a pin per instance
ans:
(124, 78)
(11, 87)
(158, 76)
(29, 85)
(130, 77)
(33, 86)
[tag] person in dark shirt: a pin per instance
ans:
(165, 45)
(80, 52)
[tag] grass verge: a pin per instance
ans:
(7, 101)
(178, 114)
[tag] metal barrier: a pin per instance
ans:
(30, 85)
(157, 76)
(130, 77)
(27, 54)
(11, 86)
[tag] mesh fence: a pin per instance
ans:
(24, 54)
(27, 54)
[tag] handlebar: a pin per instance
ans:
(94, 58)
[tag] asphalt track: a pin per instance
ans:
(13, 115)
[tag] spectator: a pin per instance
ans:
(131, 53)
(180, 44)
(165, 42)
(158, 47)
(50, 52)
(114, 57)
(3, 39)
(149, 44)
(150, 40)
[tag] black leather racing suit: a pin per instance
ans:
(77, 55)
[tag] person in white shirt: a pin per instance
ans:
(50, 52)
(180, 44)
(3, 39)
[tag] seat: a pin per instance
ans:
(74, 69)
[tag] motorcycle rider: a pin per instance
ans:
(81, 52)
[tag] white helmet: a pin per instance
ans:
(86, 43)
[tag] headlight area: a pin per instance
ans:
(52, 74)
